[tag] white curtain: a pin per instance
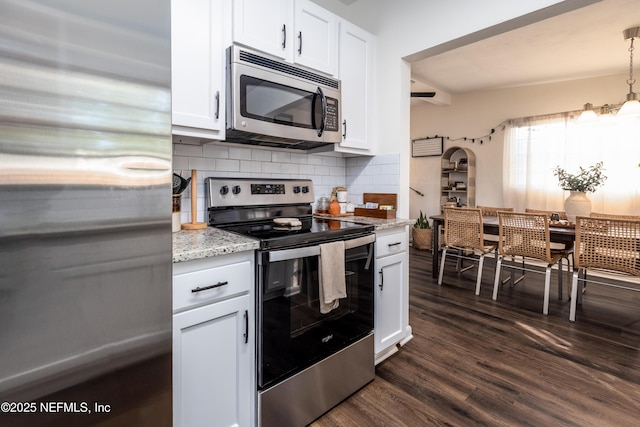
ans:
(535, 146)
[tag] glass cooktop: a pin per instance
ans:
(312, 230)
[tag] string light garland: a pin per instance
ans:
(473, 140)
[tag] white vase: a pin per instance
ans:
(577, 204)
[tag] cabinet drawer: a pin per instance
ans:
(211, 284)
(393, 243)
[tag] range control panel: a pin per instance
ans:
(230, 192)
(267, 189)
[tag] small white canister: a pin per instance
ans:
(341, 195)
(350, 207)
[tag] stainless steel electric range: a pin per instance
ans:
(309, 359)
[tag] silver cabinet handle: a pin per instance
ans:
(344, 126)
(395, 244)
(217, 104)
(217, 285)
(381, 285)
(300, 43)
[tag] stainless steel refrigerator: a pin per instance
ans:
(85, 212)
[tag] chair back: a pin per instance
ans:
(492, 210)
(463, 227)
(524, 234)
(604, 215)
(608, 243)
(561, 214)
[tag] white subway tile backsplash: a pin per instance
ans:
(281, 157)
(292, 169)
(215, 151)
(187, 150)
(360, 175)
(301, 159)
(180, 162)
(260, 155)
(240, 153)
(227, 165)
(329, 161)
(322, 170)
(390, 169)
(250, 166)
(202, 163)
(271, 168)
(314, 159)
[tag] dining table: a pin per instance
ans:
(559, 232)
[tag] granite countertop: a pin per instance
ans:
(210, 241)
(379, 223)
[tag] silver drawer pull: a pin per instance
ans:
(217, 285)
(395, 244)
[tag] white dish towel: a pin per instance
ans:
(332, 279)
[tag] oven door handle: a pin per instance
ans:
(309, 251)
(289, 254)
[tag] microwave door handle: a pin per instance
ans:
(323, 99)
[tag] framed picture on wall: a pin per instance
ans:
(424, 147)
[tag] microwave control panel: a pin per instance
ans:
(331, 122)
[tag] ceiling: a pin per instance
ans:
(586, 42)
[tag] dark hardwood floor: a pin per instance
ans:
(474, 361)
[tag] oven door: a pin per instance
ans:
(292, 333)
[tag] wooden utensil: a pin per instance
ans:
(194, 225)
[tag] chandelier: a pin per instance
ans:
(631, 106)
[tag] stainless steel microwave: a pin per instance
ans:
(276, 104)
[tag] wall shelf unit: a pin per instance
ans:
(458, 177)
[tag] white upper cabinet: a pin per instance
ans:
(298, 31)
(356, 74)
(316, 42)
(197, 68)
(264, 25)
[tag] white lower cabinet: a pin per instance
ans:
(391, 322)
(214, 342)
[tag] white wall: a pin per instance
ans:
(408, 27)
(473, 115)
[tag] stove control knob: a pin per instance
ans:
(236, 189)
(305, 189)
(296, 189)
(224, 190)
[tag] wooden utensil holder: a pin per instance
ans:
(194, 225)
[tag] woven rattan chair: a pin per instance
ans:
(463, 233)
(611, 244)
(492, 210)
(526, 235)
(604, 215)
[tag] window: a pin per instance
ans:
(534, 147)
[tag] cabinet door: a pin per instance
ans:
(391, 292)
(212, 364)
(197, 65)
(263, 25)
(356, 72)
(315, 37)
